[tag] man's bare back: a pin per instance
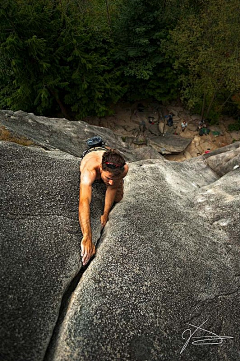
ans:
(110, 167)
(91, 163)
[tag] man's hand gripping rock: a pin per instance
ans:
(87, 250)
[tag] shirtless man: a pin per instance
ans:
(110, 167)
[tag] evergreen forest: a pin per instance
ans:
(79, 57)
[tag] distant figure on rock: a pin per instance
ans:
(151, 120)
(184, 125)
(169, 119)
(203, 129)
(142, 127)
(108, 166)
(201, 124)
(140, 137)
(161, 125)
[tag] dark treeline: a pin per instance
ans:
(79, 57)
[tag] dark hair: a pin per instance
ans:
(113, 162)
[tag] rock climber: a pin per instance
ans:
(107, 165)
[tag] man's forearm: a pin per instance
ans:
(109, 200)
(84, 219)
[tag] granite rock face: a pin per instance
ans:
(61, 134)
(169, 144)
(169, 257)
(167, 261)
(225, 159)
(40, 244)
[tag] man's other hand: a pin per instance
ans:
(87, 250)
(104, 220)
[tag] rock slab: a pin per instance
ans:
(62, 134)
(167, 263)
(40, 245)
(168, 260)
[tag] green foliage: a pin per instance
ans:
(79, 57)
(205, 46)
(56, 56)
(142, 25)
(235, 126)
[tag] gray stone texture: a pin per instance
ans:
(62, 134)
(169, 144)
(224, 160)
(168, 257)
(40, 244)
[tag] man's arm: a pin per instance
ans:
(109, 200)
(87, 247)
(113, 193)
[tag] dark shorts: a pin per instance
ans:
(93, 149)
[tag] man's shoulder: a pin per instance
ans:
(88, 176)
(91, 160)
(89, 167)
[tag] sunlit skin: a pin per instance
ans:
(91, 170)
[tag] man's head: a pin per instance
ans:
(113, 162)
(112, 166)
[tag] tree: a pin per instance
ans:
(56, 57)
(139, 29)
(206, 51)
